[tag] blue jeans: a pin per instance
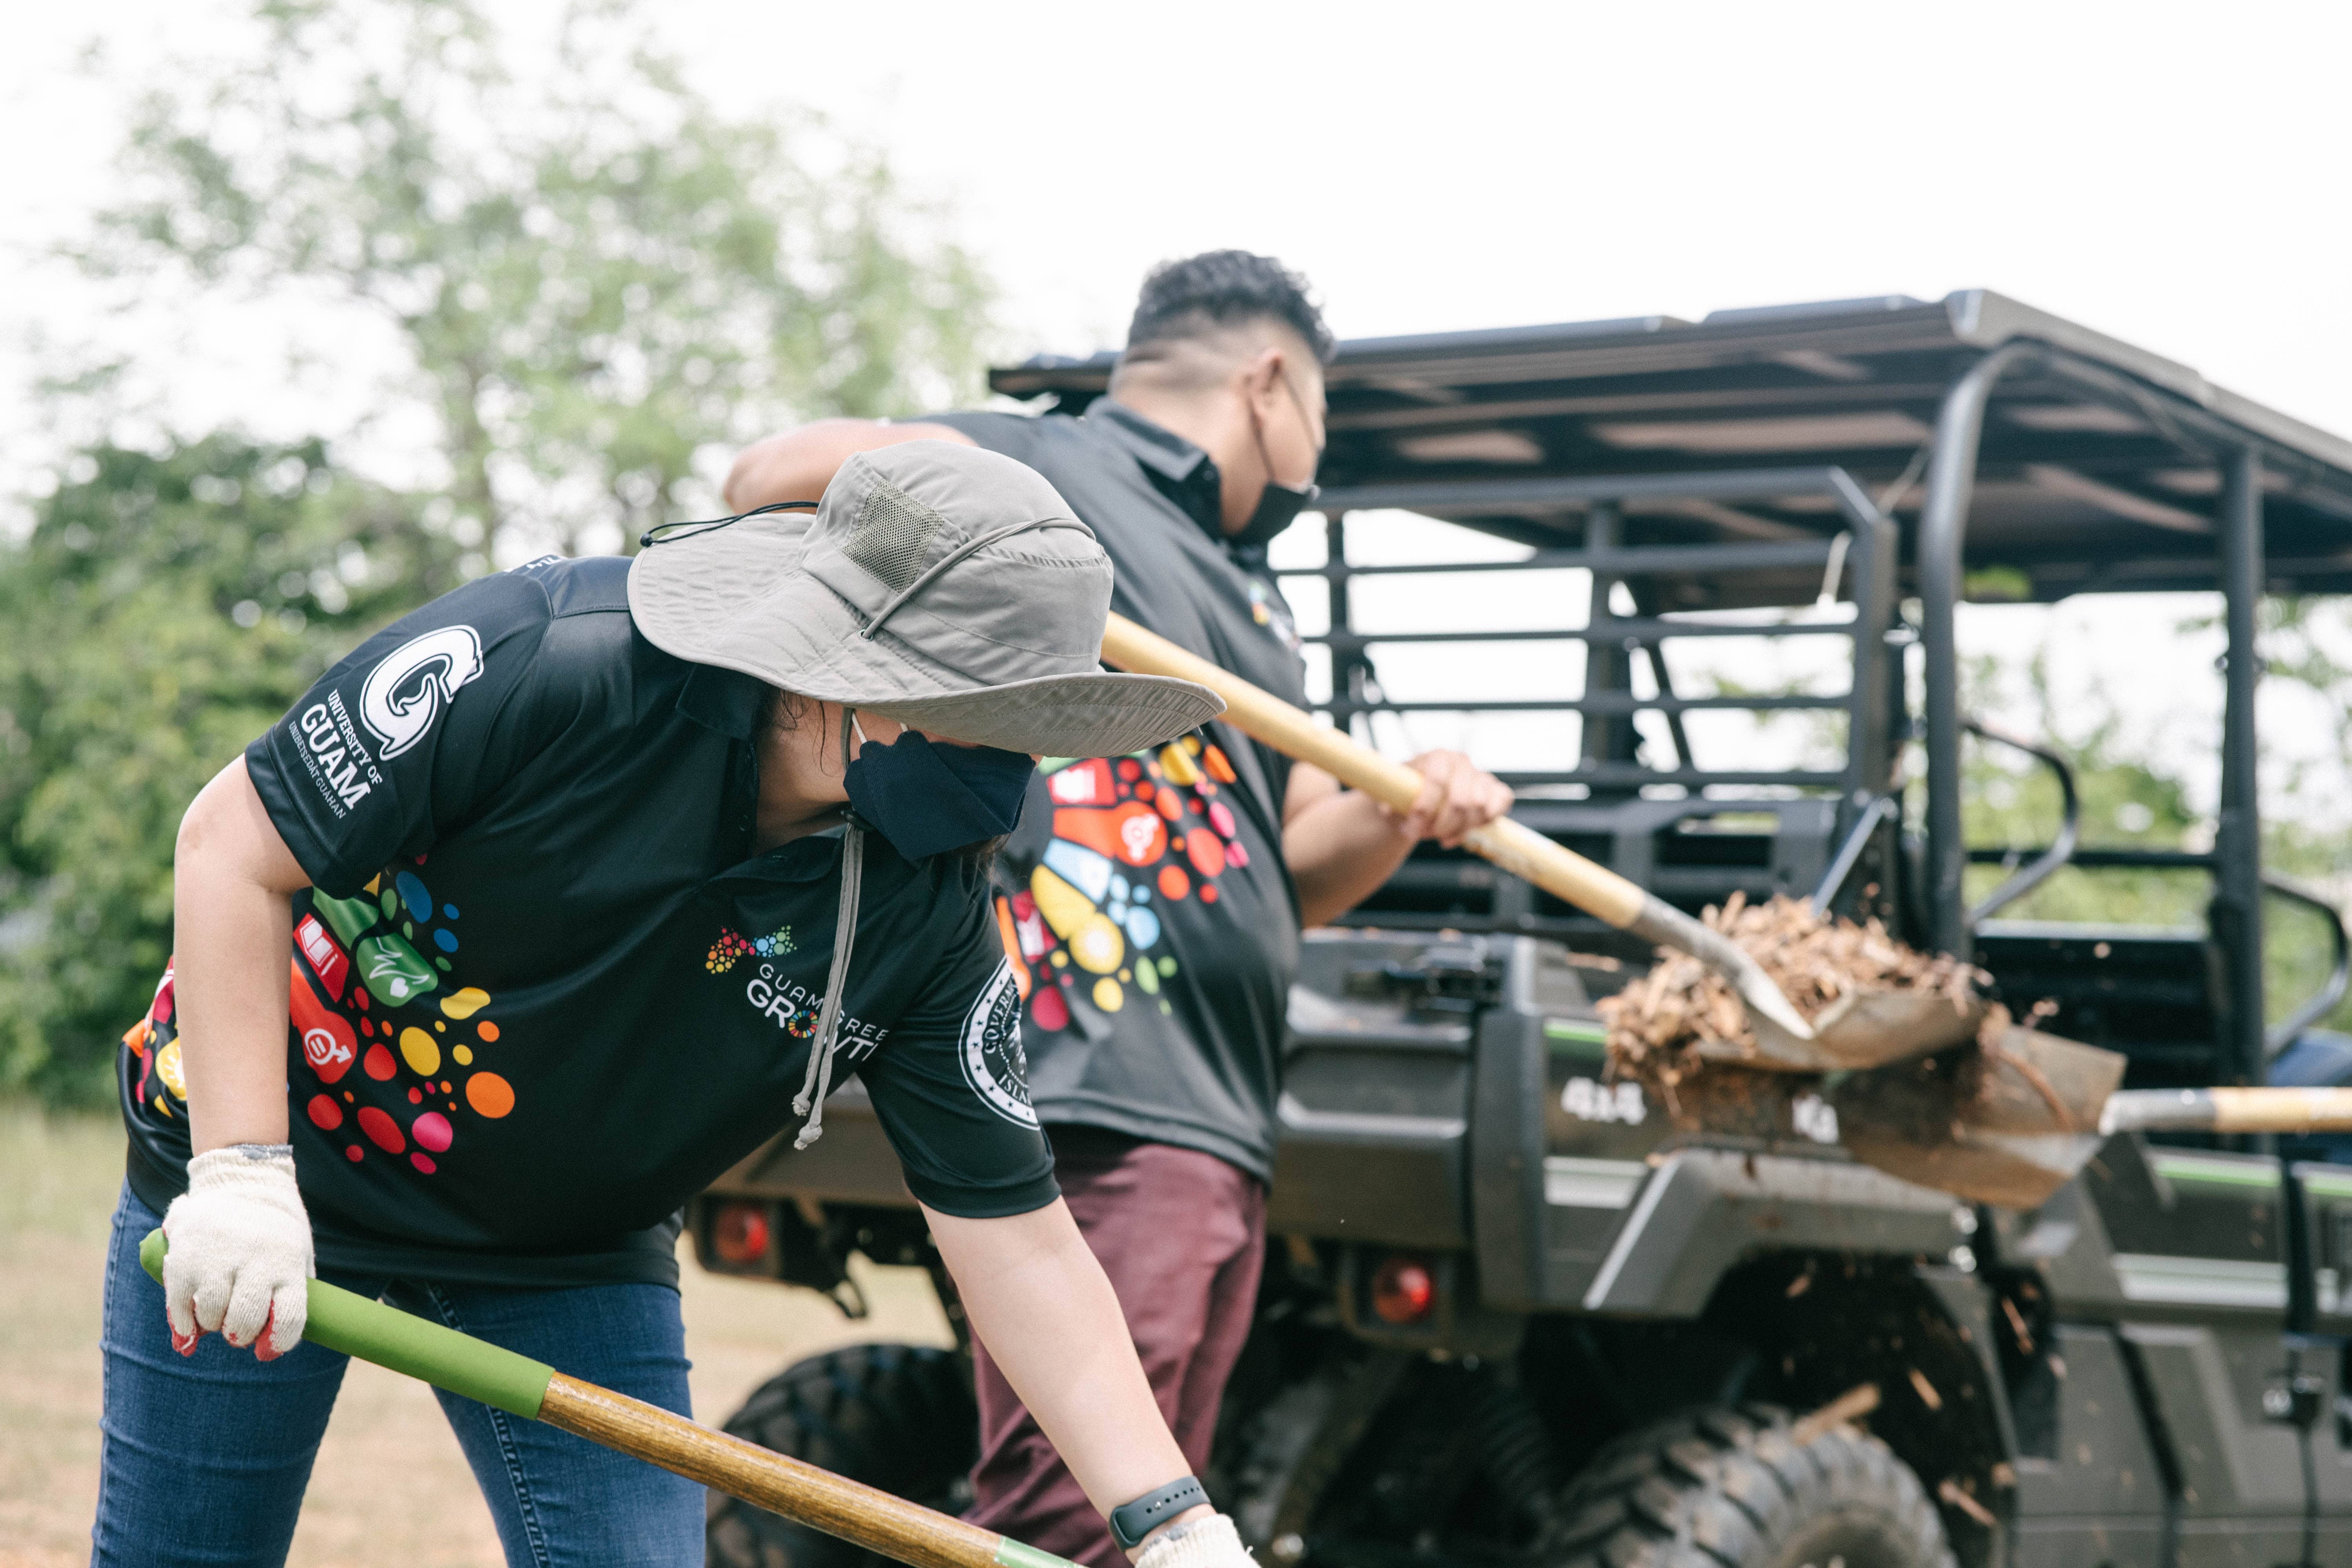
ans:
(206, 1456)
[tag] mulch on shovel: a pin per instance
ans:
(1659, 1023)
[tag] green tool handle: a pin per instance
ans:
(409, 1344)
(851, 1511)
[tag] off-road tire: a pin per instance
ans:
(1730, 1488)
(901, 1417)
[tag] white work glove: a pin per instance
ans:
(1211, 1542)
(239, 1260)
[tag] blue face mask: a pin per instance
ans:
(927, 800)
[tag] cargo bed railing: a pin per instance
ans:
(1847, 547)
(1863, 551)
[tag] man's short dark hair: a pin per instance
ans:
(1223, 289)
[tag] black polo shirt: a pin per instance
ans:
(543, 990)
(1146, 896)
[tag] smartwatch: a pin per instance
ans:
(1131, 1521)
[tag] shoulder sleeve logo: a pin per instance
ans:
(993, 1062)
(406, 690)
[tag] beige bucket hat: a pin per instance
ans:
(949, 588)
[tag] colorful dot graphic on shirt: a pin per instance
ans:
(489, 1094)
(421, 1051)
(1133, 835)
(168, 1068)
(732, 947)
(381, 1130)
(364, 1002)
(362, 996)
(467, 1001)
(412, 893)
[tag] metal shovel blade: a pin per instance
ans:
(1861, 1029)
(2007, 1123)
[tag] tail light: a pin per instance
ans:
(1403, 1292)
(741, 1234)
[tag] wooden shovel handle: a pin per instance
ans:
(798, 1490)
(1520, 850)
(2282, 1110)
(859, 1514)
(2229, 1110)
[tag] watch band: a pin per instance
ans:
(1131, 1521)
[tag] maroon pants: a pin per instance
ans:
(1182, 1236)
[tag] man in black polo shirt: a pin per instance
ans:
(1152, 903)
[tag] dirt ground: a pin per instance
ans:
(391, 1486)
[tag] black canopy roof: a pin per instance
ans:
(2096, 471)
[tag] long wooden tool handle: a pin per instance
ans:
(2229, 1110)
(1264, 717)
(800, 1491)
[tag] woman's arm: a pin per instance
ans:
(233, 882)
(1041, 1305)
(241, 1254)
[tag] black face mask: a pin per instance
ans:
(927, 800)
(1279, 505)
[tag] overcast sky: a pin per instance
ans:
(2160, 173)
(2172, 175)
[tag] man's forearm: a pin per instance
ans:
(1339, 850)
(799, 464)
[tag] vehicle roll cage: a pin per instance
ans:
(1866, 550)
(1603, 409)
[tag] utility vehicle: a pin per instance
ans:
(1513, 1314)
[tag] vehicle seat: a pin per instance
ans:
(2147, 992)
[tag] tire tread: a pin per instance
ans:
(901, 1418)
(1725, 1487)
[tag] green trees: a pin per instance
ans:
(2130, 799)
(595, 276)
(594, 285)
(164, 610)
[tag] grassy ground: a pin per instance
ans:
(391, 1486)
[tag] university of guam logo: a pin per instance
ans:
(408, 689)
(993, 1062)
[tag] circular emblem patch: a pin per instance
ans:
(993, 1062)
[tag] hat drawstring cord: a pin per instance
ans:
(809, 1102)
(671, 532)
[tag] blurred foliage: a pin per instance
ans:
(602, 286)
(2012, 800)
(164, 611)
(598, 276)
(2126, 800)
(2300, 639)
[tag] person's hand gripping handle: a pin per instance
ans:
(1515, 848)
(240, 1262)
